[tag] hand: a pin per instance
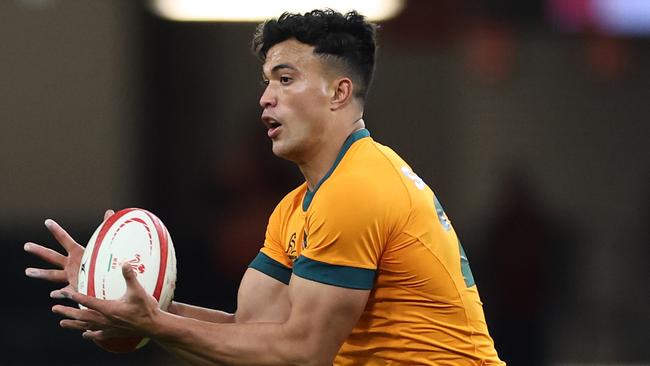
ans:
(134, 313)
(68, 266)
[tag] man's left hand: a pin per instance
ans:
(133, 313)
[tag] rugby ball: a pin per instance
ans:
(138, 237)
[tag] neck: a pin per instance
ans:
(315, 168)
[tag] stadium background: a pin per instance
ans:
(530, 123)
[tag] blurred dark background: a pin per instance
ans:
(529, 119)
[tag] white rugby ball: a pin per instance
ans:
(138, 237)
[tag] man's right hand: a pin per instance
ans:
(67, 265)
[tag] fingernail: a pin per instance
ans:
(31, 272)
(27, 246)
(56, 294)
(48, 222)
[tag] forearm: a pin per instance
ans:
(187, 357)
(200, 313)
(206, 343)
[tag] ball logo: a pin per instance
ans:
(138, 238)
(135, 263)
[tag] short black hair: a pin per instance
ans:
(346, 39)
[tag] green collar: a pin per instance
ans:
(357, 135)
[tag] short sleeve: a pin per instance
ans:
(346, 234)
(272, 259)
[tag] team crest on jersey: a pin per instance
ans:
(442, 216)
(291, 247)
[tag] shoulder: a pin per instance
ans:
(370, 171)
(367, 181)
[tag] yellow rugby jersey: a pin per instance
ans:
(371, 223)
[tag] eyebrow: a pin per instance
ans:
(282, 66)
(278, 67)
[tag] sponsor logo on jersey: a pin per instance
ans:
(419, 183)
(442, 216)
(464, 267)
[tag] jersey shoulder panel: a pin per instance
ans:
(357, 209)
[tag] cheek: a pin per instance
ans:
(312, 90)
(313, 102)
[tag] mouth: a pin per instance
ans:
(272, 126)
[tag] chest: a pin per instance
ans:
(294, 234)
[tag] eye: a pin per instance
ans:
(264, 82)
(285, 79)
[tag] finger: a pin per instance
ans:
(70, 312)
(132, 284)
(90, 302)
(59, 294)
(46, 254)
(108, 214)
(56, 294)
(61, 235)
(96, 335)
(75, 324)
(107, 333)
(93, 335)
(128, 273)
(83, 315)
(54, 275)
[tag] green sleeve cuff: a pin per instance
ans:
(271, 267)
(335, 275)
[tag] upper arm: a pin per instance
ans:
(261, 298)
(322, 317)
(316, 315)
(263, 290)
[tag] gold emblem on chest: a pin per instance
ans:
(291, 248)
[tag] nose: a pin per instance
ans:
(268, 98)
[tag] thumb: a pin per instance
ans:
(129, 276)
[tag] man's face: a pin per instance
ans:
(295, 101)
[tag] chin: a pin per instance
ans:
(279, 150)
(285, 152)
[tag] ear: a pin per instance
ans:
(343, 89)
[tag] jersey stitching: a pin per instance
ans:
(403, 184)
(458, 292)
(408, 220)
